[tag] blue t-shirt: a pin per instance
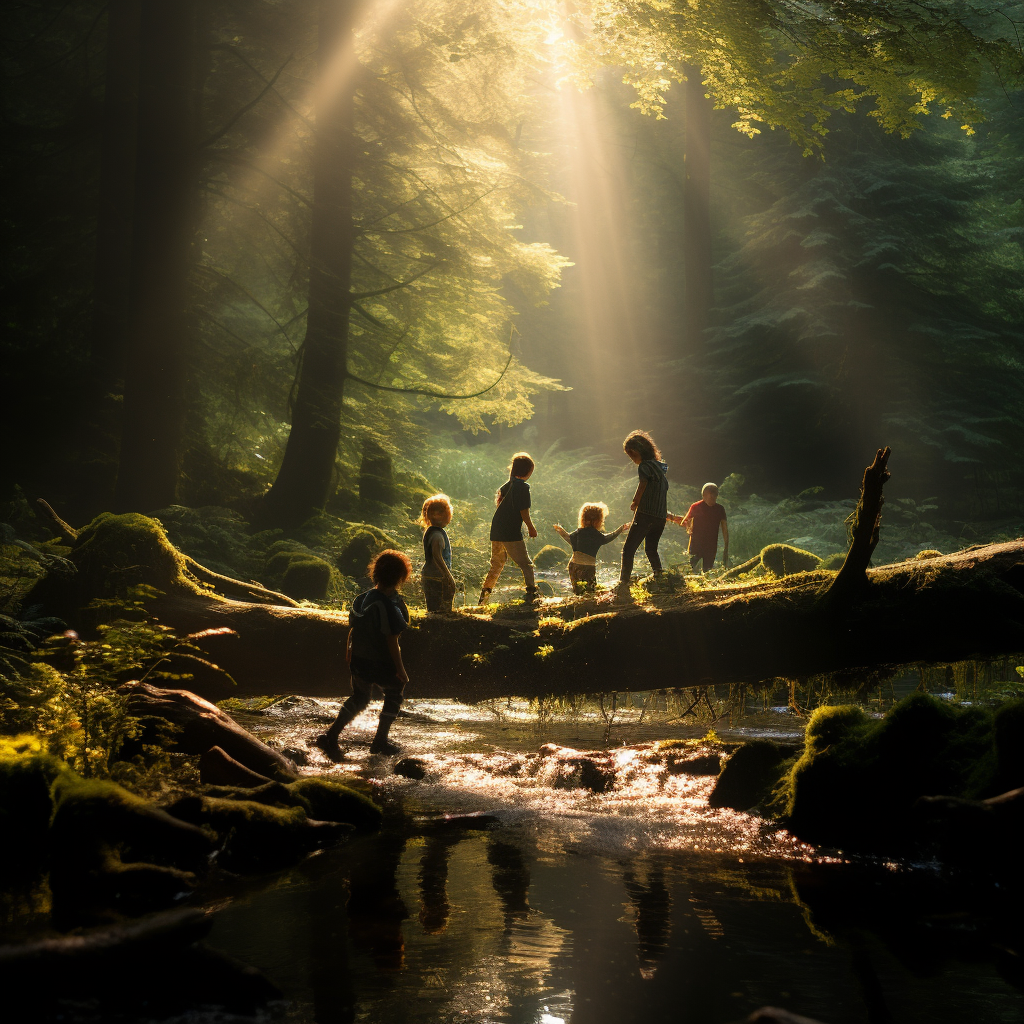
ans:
(654, 501)
(507, 524)
(431, 532)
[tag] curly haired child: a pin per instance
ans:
(587, 540)
(376, 620)
(439, 584)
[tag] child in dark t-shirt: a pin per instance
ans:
(702, 521)
(376, 619)
(511, 511)
(586, 542)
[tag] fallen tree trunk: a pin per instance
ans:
(968, 605)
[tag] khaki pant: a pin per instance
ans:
(501, 552)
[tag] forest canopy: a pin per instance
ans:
(252, 245)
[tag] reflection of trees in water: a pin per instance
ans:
(375, 907)
(510, 878)
(652, 907)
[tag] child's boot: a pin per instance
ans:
(485, 596)
(381, 744)
(532, 595)
(328, 741)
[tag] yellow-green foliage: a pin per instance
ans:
(857, 779)
(784, 559)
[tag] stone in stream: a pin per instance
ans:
(412, 768)
(750, 775)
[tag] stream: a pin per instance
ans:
(495, 896)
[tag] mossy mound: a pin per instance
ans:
(331, 801)
(112, 555)
(834, 562)
(26, 774)
(784, 559)
(750, 775)
(928, 553)
(856, 783)
(361, 544)
(549, 556)
(257, 836)
(297, 572)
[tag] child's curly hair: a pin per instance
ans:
(643, 444)
(521, 464)
(389, 568)
(432, 504)
(593, 514)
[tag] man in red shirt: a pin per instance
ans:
(702, 522)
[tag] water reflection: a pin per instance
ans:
(509, 932)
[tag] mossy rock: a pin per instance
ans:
(857, 781)
(360, 546)
(549, 556)
(258, 836)
(834, 562)
(784, 559)
(750, 775)
(27, 772)
(327, 800)
(297, 572)
(928, 553)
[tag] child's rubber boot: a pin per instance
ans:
(485, 596)
(532, 595)
(328, 741)
(381, 744)
(622, 594)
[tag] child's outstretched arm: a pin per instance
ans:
(561, 533)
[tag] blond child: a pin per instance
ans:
(439, 584)
(587, 540)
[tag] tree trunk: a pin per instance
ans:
(697, 259)
(304, 479)
(112, 287)
(164, 224)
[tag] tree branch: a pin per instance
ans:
(232, 121)
(357, 296)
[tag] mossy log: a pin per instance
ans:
(958, 607)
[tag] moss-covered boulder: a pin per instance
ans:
(297, 572)
(834, 562)
(361, 544)
(858, 779)
(328, 800)
(750, 775)
(784, 559)
(256, 836)
(27, 773)
(549, 556)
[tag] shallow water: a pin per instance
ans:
(559, 905)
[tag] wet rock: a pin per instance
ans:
(980, 834)
(411, 768)
(328, 800)
(472, 821)
(750, 775)
(696, 764)
(296, 755)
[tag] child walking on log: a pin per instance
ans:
(702, 521)
(586, 542)
(372, 651)
(649, 505)
(512, 509)
(439, 584)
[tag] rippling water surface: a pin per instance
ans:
(496, 893)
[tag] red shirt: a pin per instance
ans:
(705, 519)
